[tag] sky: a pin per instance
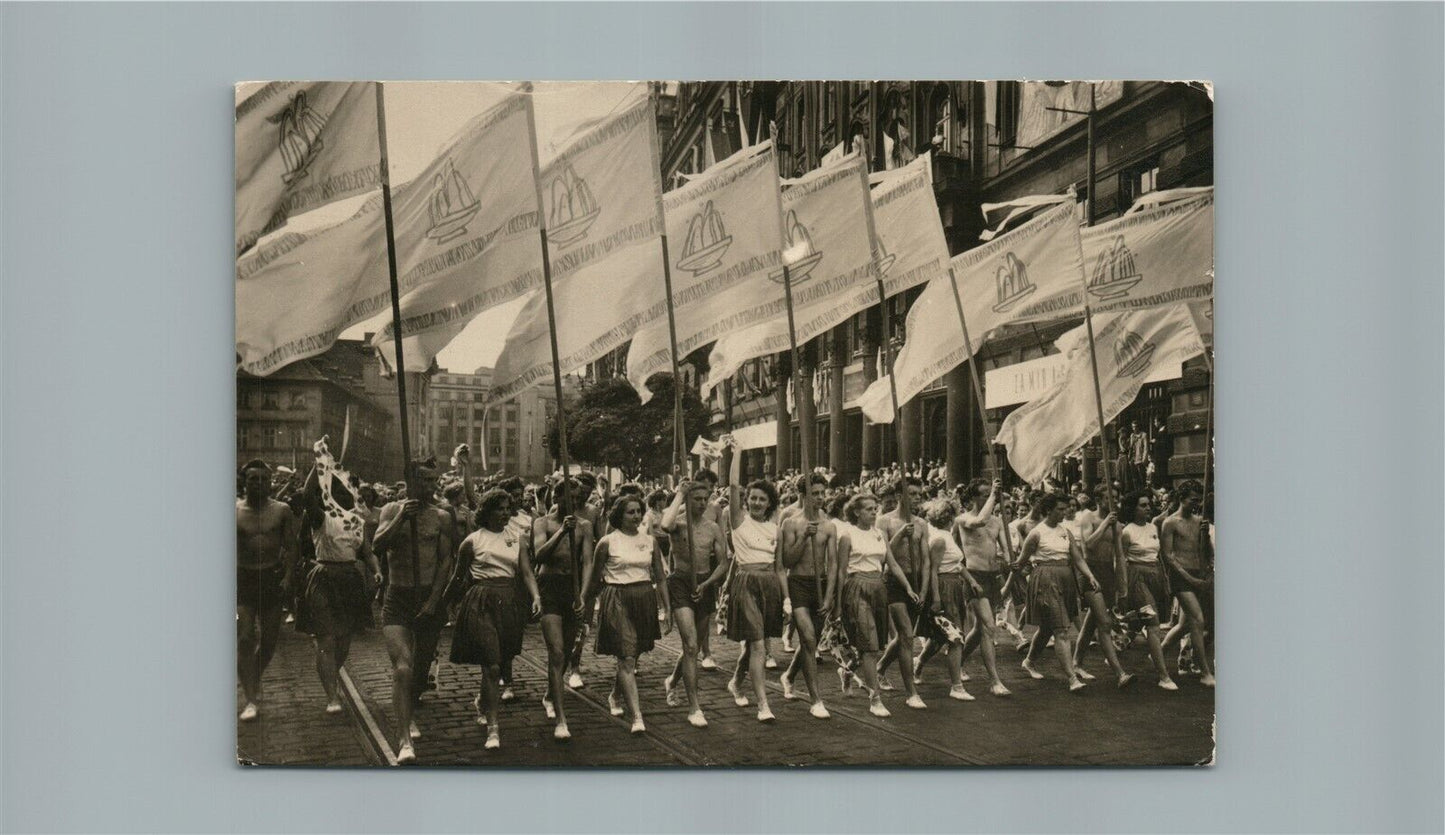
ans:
(420, 117)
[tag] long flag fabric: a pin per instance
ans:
(602, 210)
(466, 232)
(298, 291)
(1129, 345)
(722, 229)
(908, 233)
(827, 240)
(999, 283)
(300, 146)
(1158, 256)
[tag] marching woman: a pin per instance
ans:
(857, 588)
(630, 563)
(490, 619)
(1144, 575)
(758, 597)
(1053, 598)
(955, 588)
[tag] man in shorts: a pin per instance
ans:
(809, 543)
(1187, 555)
(980, 534)
(420, 540)
(266, 537)
(699, 559)
(561, 544)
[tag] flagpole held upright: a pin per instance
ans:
(1089, 316)
(411, 491)
(973, 372)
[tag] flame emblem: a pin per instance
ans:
(707, 242)
(798, 252)
(1011, 280)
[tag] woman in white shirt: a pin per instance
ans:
(758, 593)
(1145, 577)
(630, 565)
(1053, 601)
(491, 617)
(857, 588)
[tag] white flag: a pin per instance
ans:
(300, 146)
(826, 229)
(1065, 418)
(722, 230)
(1157, 256)
(466, 232)
(603, 216)
(297, 292)
(998, 283)
(907, 231)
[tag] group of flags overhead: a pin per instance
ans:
(466, 233)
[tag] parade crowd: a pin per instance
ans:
(891, 571)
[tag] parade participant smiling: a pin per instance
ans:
(630, 565)
(758, 593)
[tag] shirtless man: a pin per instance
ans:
(809, 543)
(411, 613)
(561, 548)
(697, 569)
(583, 485)
(1187, 555)
(266, 535)
(912, 562)
(716, 515)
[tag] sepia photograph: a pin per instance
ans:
(724, 423)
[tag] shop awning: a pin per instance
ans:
(758, 435)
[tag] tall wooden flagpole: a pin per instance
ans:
(400, 366)
(973, 373)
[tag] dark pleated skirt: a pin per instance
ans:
(628, 624)
(1053, 596)
(1149, 586)
(755, 606)
(489, 624)
(865, 611)
(335, 601)
(953, 599)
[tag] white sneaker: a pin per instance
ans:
(787, 683)
(819, 712)
(1207, 680)
(549, 708)
(612, 706)
(575, 681)
(1167, 684)
(249, 712)
(669, 689)
(1125, 680)
(998, 689)
(877, 709)
(413, 731)
(959, 693)
(494, 739)
(765, 714)
(884, 683)
(407, 754)
(963, 675)
(481, 719)
(916, 702)
(738, 698)
(770, 664)
(1075, 686)
(1029, 668)
(561, 733)
(333, 707)
(696, 719)
(1083, 673)
(638, 727)
(707, 663)
(508, 695)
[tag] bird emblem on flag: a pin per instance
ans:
(1131, 354)
(798, 254)
(707, 242)
(452, 205)
(573, 209)
(1011, 279)
(298, 136)
(1114, 273)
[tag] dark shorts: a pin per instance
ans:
(628, 621)
(259, 589)
(896, 594)
(489, 624)
(803, 591)
(992, 584)
(336, 601)
(402, 603)
(1108, 579)
(557, 597)
(679, 593)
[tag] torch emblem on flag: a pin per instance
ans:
(799, 254)
(573, 209)
(1114, 272)
(1012, 282)
(298, 135)
(452, 205)
(707, 241)
(1131, 354)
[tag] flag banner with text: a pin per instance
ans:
(998, 283)
(1129, 346)
(297, 292)
(300, 146)
(466, 232)
(724, 242)
(602, 209)
(826, 237)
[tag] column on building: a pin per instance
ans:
(962, 417)
(783, 455)
(839, 458)
(806, 407)
(872, 434)
(910, 418)
(726, 463)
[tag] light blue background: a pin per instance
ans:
(118, 408)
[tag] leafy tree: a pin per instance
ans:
(610, 425)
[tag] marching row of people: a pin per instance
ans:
(850, 575)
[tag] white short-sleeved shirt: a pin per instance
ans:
(629, 558)
(494, 555)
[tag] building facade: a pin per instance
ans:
(990, 141)
(514, 434)
(280, 416)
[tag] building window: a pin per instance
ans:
(271, 400)
(1007, 113)
(479, 397)
(511, 413)
(298, 403)
(1136, 183)
(940, 112)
